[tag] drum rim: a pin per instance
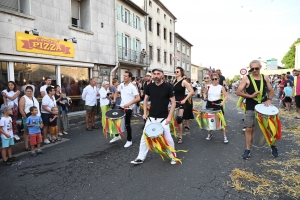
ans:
(154, 124)
(115, 117)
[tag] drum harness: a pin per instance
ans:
(259, 97)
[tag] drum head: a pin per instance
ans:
(154, 130)
(266, 110)
(148, 103)
(115, 114)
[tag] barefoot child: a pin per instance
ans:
(53, 125)
(34, 124)
(7, 135)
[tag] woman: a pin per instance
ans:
(206, 83)
(11, 95)
(213, 93)
(62, 121)
(188, 108)
(27, 101)
(104, 100)
(179, 92)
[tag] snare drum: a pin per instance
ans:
(267, 126)
(115, 122)
(212, 120)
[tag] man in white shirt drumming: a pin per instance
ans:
(130, 97)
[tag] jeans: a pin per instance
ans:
(65, 109)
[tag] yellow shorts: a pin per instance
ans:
(53, 130)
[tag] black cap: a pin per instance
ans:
(158, 69)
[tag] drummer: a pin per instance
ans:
(251, 84)
(161, 93)
(213, 93)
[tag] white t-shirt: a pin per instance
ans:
(48, 102)
(11, 94)
(214, 92)
(89, 95)
(103, 94)
(128, 93)
(6, 124)
(43, 88)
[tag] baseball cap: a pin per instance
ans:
(158, 69)
(148, 74)
(5, 108)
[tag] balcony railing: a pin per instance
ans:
(133, 56)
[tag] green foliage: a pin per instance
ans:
(289, 59)
(234, 79)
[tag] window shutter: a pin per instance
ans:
(134, 21)
(141, 24)
(75, 9)
(131, 19)
(123, 13)
(119, 39)
(118, 11)
(123, 40)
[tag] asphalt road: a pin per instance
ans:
(86, 166)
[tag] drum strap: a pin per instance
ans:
(259, 97)
(155, 119)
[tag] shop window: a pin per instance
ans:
(73, 81)
(3, 79)
(33, 74)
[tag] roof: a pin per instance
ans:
(129, 2)
(182, 38)
(165, 9)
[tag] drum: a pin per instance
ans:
(115, 122)
(173, 123)
(212, 120)
(148, 106)
(267, 126)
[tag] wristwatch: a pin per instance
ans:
(269, 99)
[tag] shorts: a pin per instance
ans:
(46, 118)
(7, 142)
(90, 109)
(35, 139)
(24, 124)
(288, 100)
(249, 118)
(297, 101)
(53, 130)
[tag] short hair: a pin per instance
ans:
(29, 88)
(114, 81)
(54, 108)
(47, 78)
(129, 73)
(105, 83)
(32, 108)
(215, 74)
(255, 61)
(49, 89)
(288, 76)
(288, 73)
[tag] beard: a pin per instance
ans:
(157, 80)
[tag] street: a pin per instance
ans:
(85, 166)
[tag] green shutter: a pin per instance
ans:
(119, 39)
(131, 19)
(123, 13)
(118, 11)
(134, 21)
(141, 24)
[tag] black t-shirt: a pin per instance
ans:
(160, 97)
(251, 103)
(144, 88)
(54, 123)
(222, 78)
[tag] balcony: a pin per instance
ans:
(133, 57)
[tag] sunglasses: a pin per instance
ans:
(206, 77)
(214, 79)
(176, 72)
(256, 68)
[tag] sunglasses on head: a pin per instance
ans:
(176, 72)
(214, 79)
(255, 68)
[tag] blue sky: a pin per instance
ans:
(228, 34)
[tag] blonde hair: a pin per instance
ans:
(105, 83)
(215, 74)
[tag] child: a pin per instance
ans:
(64, 103)
(7, 135)
(53, 125)
(34, 124)
(288, 90)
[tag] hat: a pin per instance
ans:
(158, 69)
(5, 108)
(148, 74)
(298, 69)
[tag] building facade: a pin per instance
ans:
(69, 41)
(131, 39)
(183, 54)
(194, 73)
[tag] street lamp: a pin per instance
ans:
(74, 40)
(34, 32)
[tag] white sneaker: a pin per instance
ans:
(128, 144)
(66, 133)
(137, 162)
(115, 139)
(173, 162)
(225, 140)
(17, 137)
(46, 141)
(244, 129)
(209, 136)
(60, 134)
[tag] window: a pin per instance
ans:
(158, 10)
(188, 51)
(188, 67)
(150, 52)
(171, 59)
(150, 3)
(79, 17)
(138, 45)
(137, 22)
(178, 63)
(170, 37)
(165, 33)
(183, 65)
(170, 21)
(158, 55)
(165, 57)
(165, 16)
(127, 16)
(158, 29)
(178, 46)
(150, 24)
(183, 49)
(21, 6)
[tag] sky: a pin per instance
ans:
(229, 34)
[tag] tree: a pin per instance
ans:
(289, 59)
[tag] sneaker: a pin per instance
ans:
(274, 151)
(137, 162)
(53, 141)
(209, 136)
(66, 133)
(46, 141)
(173, 162)
(12, 159)
(60, 134)
(244, 129)
(134, 115)
(17, 137)
(39, 151)
(246, 155)
(225, 140)
(33, 154)
(115, 139)
(128, 144)
(6, 163)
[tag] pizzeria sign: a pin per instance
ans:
(44, 45)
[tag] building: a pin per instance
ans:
(131, 38)
(183, 54)
(194, 73)
(297, 56)
(69, 41)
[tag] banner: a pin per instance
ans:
(44, 45)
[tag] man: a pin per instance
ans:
(291, 77)
(161, 93)
(89, 95)
(129, 97)
(254, 97)
(296, 90)
(43, 88)
(222, 80)
(113, 90)
(148, 80)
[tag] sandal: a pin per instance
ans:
(95, 127)
(186, 128)
(27, 149)
(179, 141)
